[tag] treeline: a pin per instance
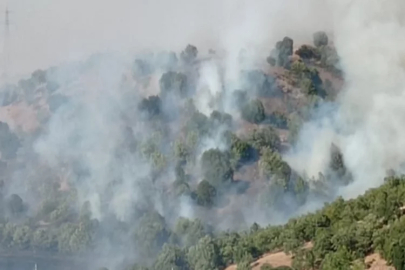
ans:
(342, 233)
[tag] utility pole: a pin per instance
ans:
(6, 46)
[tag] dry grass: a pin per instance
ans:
(375, 262)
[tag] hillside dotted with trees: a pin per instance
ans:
(148, 173)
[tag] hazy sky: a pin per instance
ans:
(46, 32)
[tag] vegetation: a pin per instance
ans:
(281, 54)
(173, 82)
(216, 167)
(320, 39)
(166, 156)
(341, 233)
(253, 112)
(189, 54)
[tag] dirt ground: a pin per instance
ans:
(274, 259)
(377, 263)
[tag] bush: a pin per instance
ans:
(205, 255)
(253, 112)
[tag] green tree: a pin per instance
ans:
(189, 54)
(280, 55)
(204, 255)
(216, 167)
(151, 233)
(339, 260)
(253, 112)
(151, 107)
(198, 123)
(22, 237)
(273, 166)
(309, 52)
(173, 82)
(188, 232)
(244, 265)
(320, 39)
(15, 204)
(218, 119)
(265, 138)
(241, 151)
(171, 258)
(43, 239)
(205, 194)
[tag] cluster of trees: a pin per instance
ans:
(307, 78)
(58, 226)
(340, 234)
(280, 55)
(321, 53)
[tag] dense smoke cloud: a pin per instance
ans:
(114, 138)
(47, 33)
(368, 122)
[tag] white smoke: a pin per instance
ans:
(369, 125)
